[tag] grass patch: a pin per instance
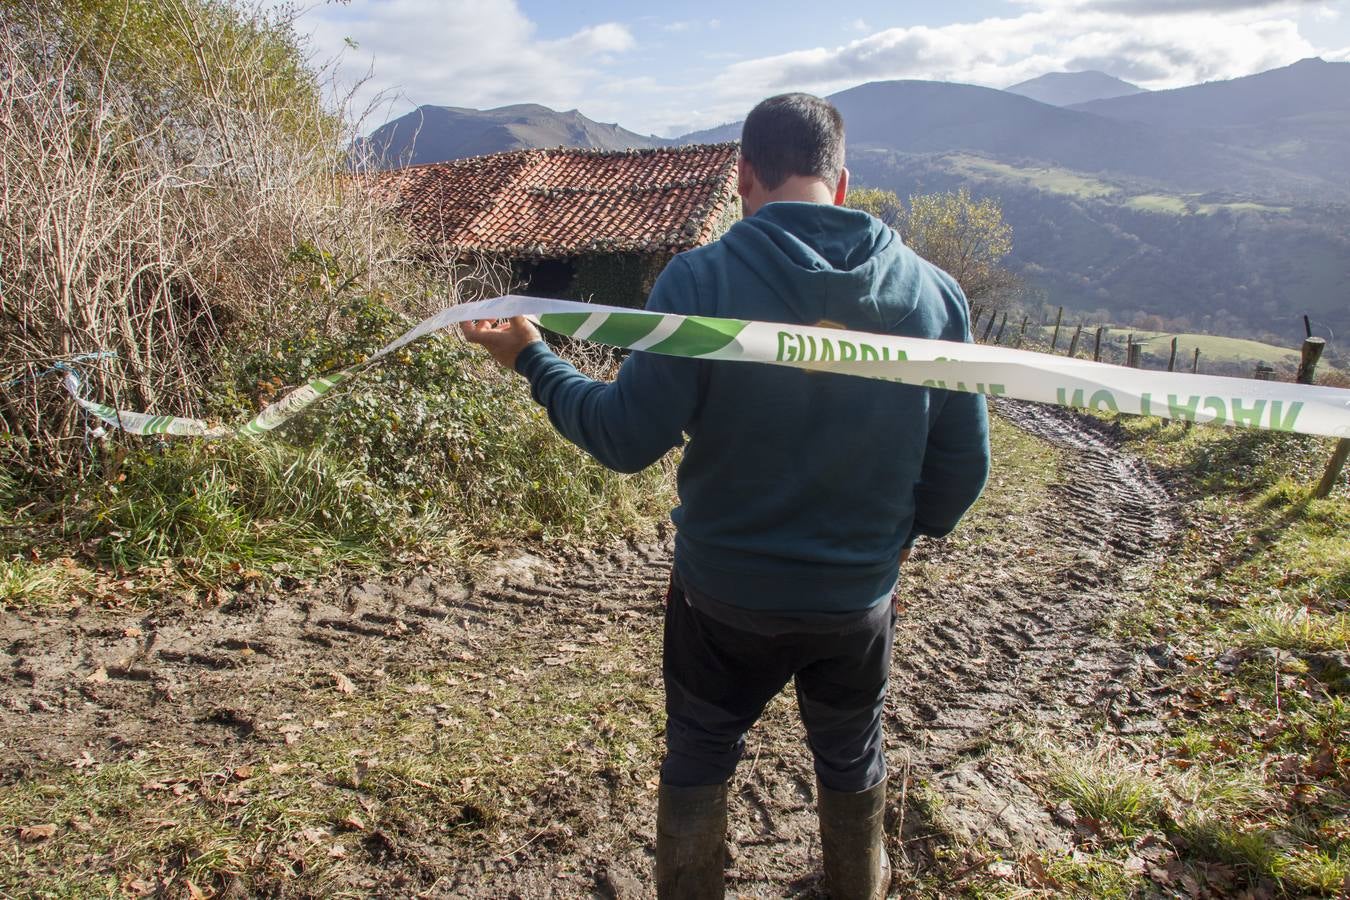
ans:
(253, 502)
(26, 583)
(1104, 789)
(1293, 628)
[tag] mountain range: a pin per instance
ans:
(1221, 205)
(1068, 88)
(437, 133)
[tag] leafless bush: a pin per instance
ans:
(166, 232)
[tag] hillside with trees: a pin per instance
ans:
(1185, 263)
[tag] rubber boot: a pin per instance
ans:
(691, 831)
(852, 842)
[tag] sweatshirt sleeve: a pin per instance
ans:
(956, 461)
(955, 465)
(631, 422)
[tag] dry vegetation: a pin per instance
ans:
(176, 195)
(167, 171)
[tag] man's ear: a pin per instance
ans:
(841, 189)
(745, 177)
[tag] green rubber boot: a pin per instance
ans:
(852, 843)
(691, 831)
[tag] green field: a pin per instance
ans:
(1045, 178)
(1185, 204)
(1069, 183)
(1215, 350)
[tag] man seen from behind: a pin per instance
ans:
(801, 492)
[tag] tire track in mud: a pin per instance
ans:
(1017, 640)
(90, 677)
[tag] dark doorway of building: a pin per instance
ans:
(551, 278)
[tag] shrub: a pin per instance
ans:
(163, 162)
(454, 437)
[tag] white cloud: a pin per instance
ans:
(479, 53)
(1155, 51)
(1174, 7)
(485, 53)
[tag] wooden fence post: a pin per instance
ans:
(1172, 360)
(998, 338)
(1135, 353)
(1334, 466)
(1059, 317)
(1097, 347)
(1129, 348)
(1307, 367)
(1195, 363)
(1073, 344)
(1021, 334)
(1312, 352)
(988, 329)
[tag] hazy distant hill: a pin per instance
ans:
(1309, 87)
(1296, 117)
(935, 117)
(1068, 88)
(722, 133)
(939, 117)
(439, 133)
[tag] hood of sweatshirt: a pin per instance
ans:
(829, 263)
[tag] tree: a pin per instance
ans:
(965, 237)
(885, 205)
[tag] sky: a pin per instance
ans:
(670, 68)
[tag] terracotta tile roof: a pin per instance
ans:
(564, 202)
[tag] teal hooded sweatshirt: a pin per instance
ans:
(798, 490)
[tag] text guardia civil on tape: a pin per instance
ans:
(972, 368)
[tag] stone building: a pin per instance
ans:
(574, 223)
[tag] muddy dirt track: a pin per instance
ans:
(1001, 638)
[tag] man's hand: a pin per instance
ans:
(504, 340)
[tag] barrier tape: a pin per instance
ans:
(973, 368)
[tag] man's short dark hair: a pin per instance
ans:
(794, 134)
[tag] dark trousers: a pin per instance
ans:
(719, 678)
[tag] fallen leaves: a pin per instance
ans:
(343, 684)
(34, 834)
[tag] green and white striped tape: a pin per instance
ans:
(974, 368)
